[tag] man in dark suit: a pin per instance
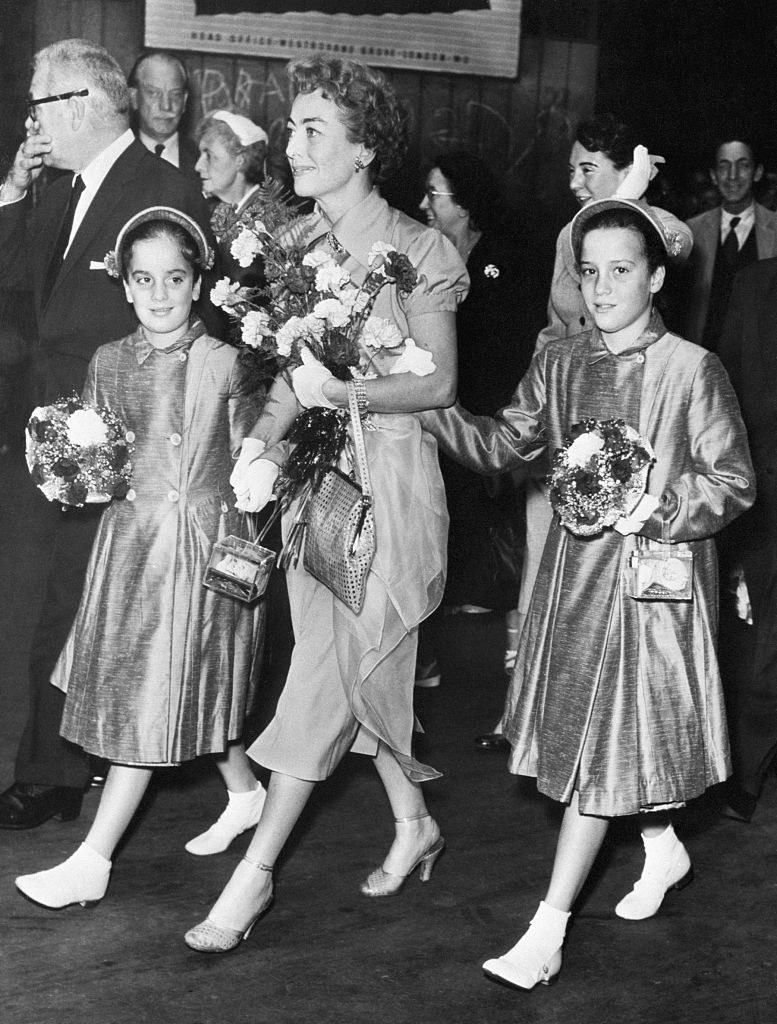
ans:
(726, 239)
(79, 108)
(159, 92)
(748, 349)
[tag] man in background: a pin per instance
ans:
(726, 239)
(159, 92)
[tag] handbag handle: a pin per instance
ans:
(358, 440)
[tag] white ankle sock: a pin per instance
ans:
(90, 859)
(550, 925)
(660, 847)
(243, 798)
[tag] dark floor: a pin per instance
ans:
(326, 955)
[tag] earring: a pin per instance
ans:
(359, 164)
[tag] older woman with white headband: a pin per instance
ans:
(233, 152)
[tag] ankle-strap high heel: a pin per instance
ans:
(384, 883)
(209, 937)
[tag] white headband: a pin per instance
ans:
(245, 130)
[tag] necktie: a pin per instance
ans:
(63, 237)
(159, 148)
(731, 243)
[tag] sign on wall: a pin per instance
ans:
(472, 37)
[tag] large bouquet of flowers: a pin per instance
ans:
(78, 453)
(310, 302)
(598, 475)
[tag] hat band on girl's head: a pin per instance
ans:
(244, 129)
(676, 245)
(168, 213)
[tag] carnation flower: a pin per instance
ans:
(224, 292)
(85, 428)
(414, 360)
(582, 448)
(256, 325)
(331, 278)
(316, 258)
(380, 333)
(349, 296)
(333, 311)
(379, 251)
(246, 247)
(294, 329)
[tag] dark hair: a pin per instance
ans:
(372, 112)
(735, 136)
(622, 217)
(474, 186)
(159, 229)
(132, 77)
(605, 134)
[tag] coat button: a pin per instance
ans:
(130, 436)
(640, 357)
(131, 494)
(175, 439)
(182, 357)
(172, 496)
(582, 321)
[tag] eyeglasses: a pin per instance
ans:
(432, 193)
(32, 104)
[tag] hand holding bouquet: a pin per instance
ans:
(78, 453)
(599, 475)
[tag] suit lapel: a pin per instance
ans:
(109, 194)
(709, 235)
(765, 239)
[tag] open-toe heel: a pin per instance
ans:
(383, 883)
(210, 937)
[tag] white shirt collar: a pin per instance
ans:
(94, 174)
(746, 221)
(171, 151)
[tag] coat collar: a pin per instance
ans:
(653, 332)
(143, 348)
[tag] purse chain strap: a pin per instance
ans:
(358, 441)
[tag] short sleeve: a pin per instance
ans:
(443, 281)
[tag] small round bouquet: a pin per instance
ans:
(598, 475)
(78, 453)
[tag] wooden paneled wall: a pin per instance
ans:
(522, 127)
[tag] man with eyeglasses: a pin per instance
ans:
(159, 91)
(78, 122)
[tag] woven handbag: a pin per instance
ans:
(340, 525)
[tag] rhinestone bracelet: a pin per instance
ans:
(360, 388)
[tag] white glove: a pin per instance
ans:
(260, 480)
(634, 522)
(643, 169)
(251, 450)
(308, 381)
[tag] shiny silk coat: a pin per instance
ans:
(617, 698)
(157, 668)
